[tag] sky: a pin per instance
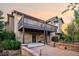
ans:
(43, 11)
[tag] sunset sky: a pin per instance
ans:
(43, 11)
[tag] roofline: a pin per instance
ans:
(33, 18)
(10, 15)
(54, 19)
(29, 16)
(51, 18)
(62, 20)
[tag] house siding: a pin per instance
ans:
(28, 37)
(40, 37)
(58, 23)
(13, 26)
(28, 34)
(10, 24)
(16, 20)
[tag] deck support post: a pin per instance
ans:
(23, 35)
(45, 34)
(23, 30)
(46, 37)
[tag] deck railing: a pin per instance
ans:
(34, 26)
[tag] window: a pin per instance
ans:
(49, 23)
(55, 21)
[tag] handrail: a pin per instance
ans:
(42, 26)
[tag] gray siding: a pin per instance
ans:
(32, 24)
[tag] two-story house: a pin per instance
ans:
(58, 22)
(29, 29)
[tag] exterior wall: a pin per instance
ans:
(28, 37)
(11, 24)
(7, 27)
(16, 20)
(58, 30)
(39, 37)
(58, 24)
(48, 39)
(20, 36)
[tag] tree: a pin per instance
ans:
(1, 25)
(68, 37)
(73, 28)
(76, 14)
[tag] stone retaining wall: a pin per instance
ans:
(10, 53)
(72, 47)
(27, 52)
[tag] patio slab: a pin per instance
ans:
(33, 45)
(53, 51)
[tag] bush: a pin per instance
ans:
(8, 35)
(62, 36)
(68, 39)
(11, 45)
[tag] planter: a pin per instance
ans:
(62, 46)
(73, 47)
(11, 53)
(27, 52)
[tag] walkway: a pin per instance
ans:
(51, 51)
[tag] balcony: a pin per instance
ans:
(31, 24)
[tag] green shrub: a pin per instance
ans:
(68, 39)
(8, 35)
(11, 45)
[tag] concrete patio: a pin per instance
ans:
(53, 51)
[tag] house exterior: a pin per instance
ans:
(58, 22)
(9, 25)
(29, 29)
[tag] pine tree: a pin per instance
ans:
(1, 24)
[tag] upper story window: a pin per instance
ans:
(49, 22)
(55, 21)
